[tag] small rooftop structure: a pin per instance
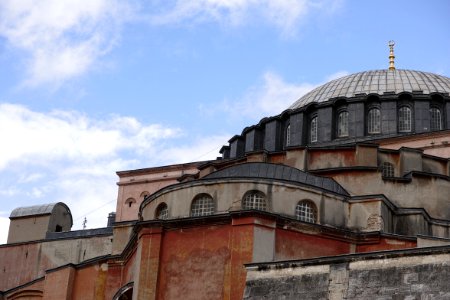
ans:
(34, 222)
(35, 210)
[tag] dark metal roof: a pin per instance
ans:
(34, 210)
(279, 172)
(377, 82)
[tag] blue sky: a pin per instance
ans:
(88, 88)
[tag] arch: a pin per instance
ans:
(374, 121)
(435, 118)
(404, 119)
(387, 169)
(254, 200)
(202, 205)
(125, 292)
(340, 101)
(130, 201)
(373, 98)
(313, 129)
(26, 294)
(144, 194)
(162, 212)
(306, 211)
(342, 123)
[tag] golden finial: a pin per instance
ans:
(391, 55)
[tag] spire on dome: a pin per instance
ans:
(391, 55)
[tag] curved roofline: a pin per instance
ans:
(38, 210)
(376, 82)
(281, 173)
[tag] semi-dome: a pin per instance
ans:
(377, 82)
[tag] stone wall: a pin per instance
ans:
(406, 274)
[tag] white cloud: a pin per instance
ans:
(286, 15)
(4, 227)
(64, 39)
(69, 157)
(336, 75)
(37, 138)
(271, 97)
(201, 148)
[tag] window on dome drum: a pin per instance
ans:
(342, 124)
(387, 170)
(203, 205)
(162, 212)
(254, 200)
(374, 121)
(288, 135)
(404, 119)
(435, 119)
(306, 211)
(313, 130)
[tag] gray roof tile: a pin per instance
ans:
(378, 81)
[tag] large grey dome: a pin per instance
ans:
(377, 82)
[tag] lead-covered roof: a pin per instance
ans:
(278, 172)
(34, 210)
(377, 82)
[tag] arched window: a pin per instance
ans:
(313, 130)
(342, 125)
(306, 211)
(374, 121)
(144, 194)
(129, 202)
(203, 205)
(404, 119)
(254, 200)
(162, 212)
(387, 170)
(288, 135)
(435, 119)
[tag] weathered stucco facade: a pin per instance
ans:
(346, 194)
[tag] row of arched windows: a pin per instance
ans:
(405, 123)
(203, 205)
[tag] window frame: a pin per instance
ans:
(404, 122)
(162, 206)
(387, 170)
(288, 135)
(342, 126)
(313, 130)
(433, 122)
(371, 123)
(252, 196)
(202, 211)
(306, 211)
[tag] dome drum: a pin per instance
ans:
(368, 114)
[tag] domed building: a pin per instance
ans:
(344, 195)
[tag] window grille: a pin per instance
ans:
(404, 119)
(374, 121)
(288, 135)
(435, 119)
(162, 212)
(203, 205)
(343, 124)
(313, 129)
(254, 200)
(306, 211)
(387, 169)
